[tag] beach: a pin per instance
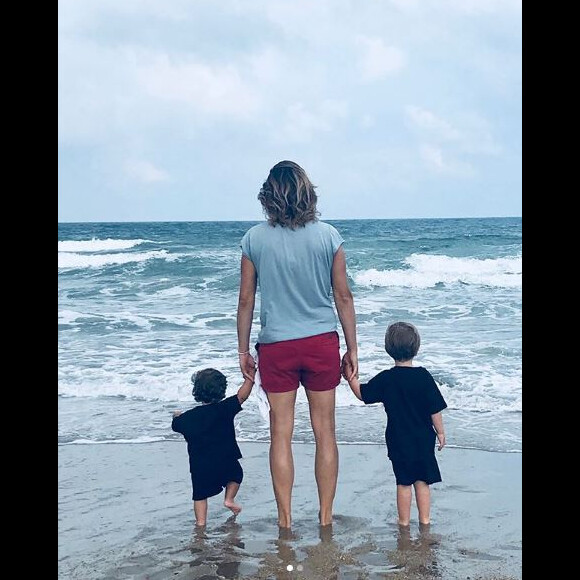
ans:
(125, 512)
(144, 305)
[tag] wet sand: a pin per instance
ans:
(125, 512)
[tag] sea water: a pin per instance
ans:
(142, 306)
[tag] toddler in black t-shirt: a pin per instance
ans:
(413, 404)
(211, 440)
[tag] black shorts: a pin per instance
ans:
(209, 481)
(408, 472)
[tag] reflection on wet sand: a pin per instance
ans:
(319, 561)
(347, 549)
(414, 558)
(220, 552)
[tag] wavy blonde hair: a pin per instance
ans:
(287, 196)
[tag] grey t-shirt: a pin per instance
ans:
(294, 278)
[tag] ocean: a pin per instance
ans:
(141, 306)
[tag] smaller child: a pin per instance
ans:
(413, 404)
(211, 440)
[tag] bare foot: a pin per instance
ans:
(231, 505)
(284, 521)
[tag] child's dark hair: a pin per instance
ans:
(402, 341)
(209, 386)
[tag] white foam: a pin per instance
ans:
(69, 316)
(96, 245)
(137, 440)
(428, 270)
(74, 260)
(173, 291)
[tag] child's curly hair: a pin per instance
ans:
(209, 386)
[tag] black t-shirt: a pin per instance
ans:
(410, 396)
(209, 431)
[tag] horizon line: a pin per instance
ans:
(255, 220)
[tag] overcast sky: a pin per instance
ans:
(177, 109)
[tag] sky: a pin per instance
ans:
(175, 110)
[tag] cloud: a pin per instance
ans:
(470, 7)
(303, 124)
(145, 172)
(367, 121)
(475, 7)
(377, 60)
(211, 89)
(469, 133)
(436, 160)
(444, 146)
(176, 87)
(76, 16)
(109, 92)
(429, 122)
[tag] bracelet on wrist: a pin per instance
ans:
(246, 352)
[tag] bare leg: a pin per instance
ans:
(281, 459)
(231, 490)
(404, 497)
(322, 407)
(423, 498)
(200, 511)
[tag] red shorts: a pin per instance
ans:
(313, 361)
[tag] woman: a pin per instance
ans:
(297, 261)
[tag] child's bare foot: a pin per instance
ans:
(231, 505)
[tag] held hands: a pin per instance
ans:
(251, 374)
(249, 378)
(247, 366)
(349, 370)
(349, 366)
(345, 369)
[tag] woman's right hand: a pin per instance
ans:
(247, 366)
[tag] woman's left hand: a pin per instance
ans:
(349, 365)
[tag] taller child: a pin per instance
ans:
(298, 264)
(413, 404)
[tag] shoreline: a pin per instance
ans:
(125, 512)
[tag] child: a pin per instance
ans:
(413, 404)
(211, 440)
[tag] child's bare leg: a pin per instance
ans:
(404, 497)
(423, 498)
(200, 511)
(231, 491)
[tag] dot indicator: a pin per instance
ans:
(289, 567)
(299, 567)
